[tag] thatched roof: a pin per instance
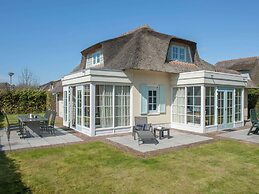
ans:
(145, 49)
(52, 86)
(250, 64)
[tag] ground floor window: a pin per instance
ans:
(122, 106)
(104, 106)
(86, 106)
(178, 109)
(112, 106)
(210, 106)
(152, 99)
(238, 108)
(194, 105)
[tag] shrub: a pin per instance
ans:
(23, 101)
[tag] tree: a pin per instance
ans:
(27, 79)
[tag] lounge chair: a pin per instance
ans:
(143, 131)
(254, 121)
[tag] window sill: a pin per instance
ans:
(153, 114)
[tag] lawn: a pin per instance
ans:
(219, 167)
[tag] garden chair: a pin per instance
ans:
(52, 121)
(143, 131)
(10, 127)
(44, 125)
(254, 121)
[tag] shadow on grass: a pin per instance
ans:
(10, 178)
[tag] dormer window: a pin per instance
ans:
(95, 58)
(179, 53)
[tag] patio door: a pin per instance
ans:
(79, 102)
(225, 108)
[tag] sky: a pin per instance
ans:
(47, 36)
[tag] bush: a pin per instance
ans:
(23, 101)
(253, 99)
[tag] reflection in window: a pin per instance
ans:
(178, 109)
(194, 105)
(238, 111)
(210, 106)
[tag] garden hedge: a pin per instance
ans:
(23, 101)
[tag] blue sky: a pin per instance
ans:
(46, 36)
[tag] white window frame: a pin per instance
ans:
(176, 106)
(153, 88)
(94, 58)
(178, 48)
(210, 105)
(193, 105)
(238, 98)
(86, 106)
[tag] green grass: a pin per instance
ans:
(219, 167)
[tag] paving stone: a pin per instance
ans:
(177, 139)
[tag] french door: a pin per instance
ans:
(225, 108)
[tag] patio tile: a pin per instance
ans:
(241, 135)
(177, 139)
(46, 139)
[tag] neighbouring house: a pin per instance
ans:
(5, 86)
(151, 74)
(248, 68)
(55, 87)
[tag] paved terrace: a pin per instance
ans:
(35, 139)
(241, 135)
(176, 139)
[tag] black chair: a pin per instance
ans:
(44, 125)
(144, 131)
(254, 121)
(51, 126)
(10, 127)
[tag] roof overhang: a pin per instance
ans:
(96, 75)
(209, 78)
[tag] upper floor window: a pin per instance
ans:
(94, 58)
(179, 53)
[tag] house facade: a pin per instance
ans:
(159, 76)
(248, 68)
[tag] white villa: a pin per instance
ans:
(159, 76)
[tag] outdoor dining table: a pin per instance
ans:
(25, 120)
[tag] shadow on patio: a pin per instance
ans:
(10, 177)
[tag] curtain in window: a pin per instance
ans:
(178, 113)
(122, 105)
(104, 111)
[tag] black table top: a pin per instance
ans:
(26, 118)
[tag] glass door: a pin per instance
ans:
(78, 107)
(225, 109)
